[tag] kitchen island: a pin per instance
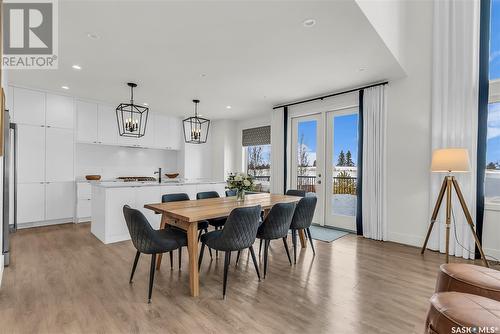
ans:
(108, 199)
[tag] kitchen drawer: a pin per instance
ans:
(84, 208)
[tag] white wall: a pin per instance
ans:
(223, 148)
(113, 161)
(409, 129)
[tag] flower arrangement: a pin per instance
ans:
(241, 182)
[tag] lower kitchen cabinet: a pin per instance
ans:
(59, 200)
(30, 202)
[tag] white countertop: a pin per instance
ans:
(113, 184)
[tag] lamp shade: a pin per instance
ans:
(450, 160)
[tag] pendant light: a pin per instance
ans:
(196, 128)
(132, 118)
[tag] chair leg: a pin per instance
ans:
(254, 261)
(209, 249)
(227, 261)
(151, 276)
(310, 240)
(180, 257)
(237, 258)
(200, 258)
(199, 234)
(294, 243)
(171, 253)
(285, 243)
(134, 266)
(266, 254)
(260, 247)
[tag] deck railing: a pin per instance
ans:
(341, 184)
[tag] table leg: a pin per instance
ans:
(163, 224)
(194, 283)
(302, 238)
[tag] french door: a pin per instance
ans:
(308, 138)
(324, 158)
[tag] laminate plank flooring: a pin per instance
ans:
(63, 280)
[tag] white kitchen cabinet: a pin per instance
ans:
(175, 133)
(83, 209)
(162, 132)
(30, 202)
(59, 111)
(59, 153)
(29, 107)
(31, 153)
(87, 118)
(108, 127)
(148, 140)
(148, 195)
(59, 200)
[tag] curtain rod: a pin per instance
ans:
(330, 95)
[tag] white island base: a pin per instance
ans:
(108, 199)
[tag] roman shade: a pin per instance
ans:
(256, 136)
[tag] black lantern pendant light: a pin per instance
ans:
(132, 118)
(196, 128)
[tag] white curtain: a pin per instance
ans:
(277, 151)
(374, 187)
(455, 110)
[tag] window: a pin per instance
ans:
(256, 144)
(492, 180)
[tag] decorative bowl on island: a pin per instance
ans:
(172, 175)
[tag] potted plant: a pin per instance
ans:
(241, 182)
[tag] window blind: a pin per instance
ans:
(256, 136)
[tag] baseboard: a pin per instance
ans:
(44, 223)
(407, 239)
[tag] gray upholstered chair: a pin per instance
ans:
(230, 192)
(296, 192)
(276, 226)
(147, 240)
(238, 233)
(217, 223)
(202, 225)
(302, 220)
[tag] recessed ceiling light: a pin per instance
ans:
(361, 69)
(65, 87)
(146, 104)
(77, 67)
(308, 23)
(93, 35)
(228, 107)
(203, 75)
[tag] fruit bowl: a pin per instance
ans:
(172, 175)
(93, 177)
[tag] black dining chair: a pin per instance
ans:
(238, 233)
(295, 192)
(147, 240)
(276, 226)
(230, 192)
(217, 223)
(302, 220)
(202, 225)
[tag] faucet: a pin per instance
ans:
(159, 174)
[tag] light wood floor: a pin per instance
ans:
(63, 280)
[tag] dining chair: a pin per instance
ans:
(230, 192)
(147, 240)
(217, 223)
(276, 226)
(202, 225)
(302, 220)
(238, 233)
(296, 192)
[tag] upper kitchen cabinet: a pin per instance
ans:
(59, 111)
(87, 118)
(31, 153)
(108, 128)
(29, 107)
(167, 132)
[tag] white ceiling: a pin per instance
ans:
(254, 54)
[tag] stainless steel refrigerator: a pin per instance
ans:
(9, 220)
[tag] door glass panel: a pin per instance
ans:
(344, 159)
(306, 155)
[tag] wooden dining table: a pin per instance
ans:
(187, 214)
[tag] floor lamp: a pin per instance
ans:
(450, 161)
